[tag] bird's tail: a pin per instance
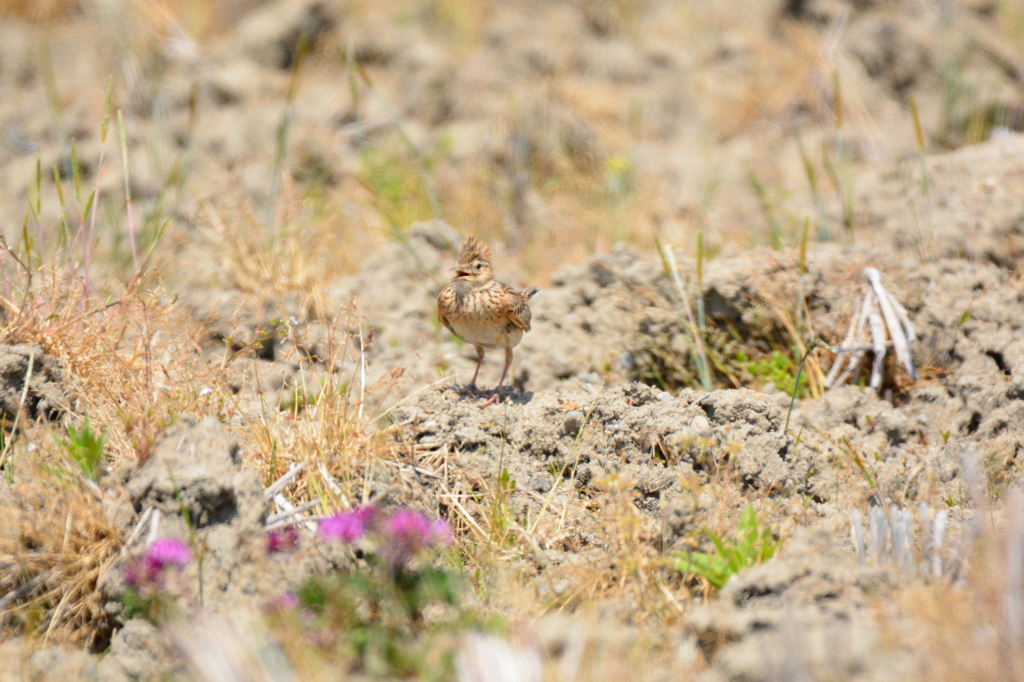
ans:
(530, 292)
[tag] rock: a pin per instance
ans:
(55, 665)
(540, 484)
(139, 653)
(626, 430)
(271, 34)
(233, 84)
(572, 423)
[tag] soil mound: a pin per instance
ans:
(632, 431)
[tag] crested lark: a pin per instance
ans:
(481, 310)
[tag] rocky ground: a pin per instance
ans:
(606, 463)
(582, 421)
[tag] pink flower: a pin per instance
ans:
(440, 533)
(138, 574)
(347, 526)
(407, 532)
(161, 554)
(168, 552)
(283, 602)
(408, 525)
(279, 541)
(415, 528)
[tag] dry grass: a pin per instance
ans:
(41, 11)
(54, 548)
(123, 365)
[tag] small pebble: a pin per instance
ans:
(573, 423)
(540, 484)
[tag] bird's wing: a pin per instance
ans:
(516, 307)
(444, 300)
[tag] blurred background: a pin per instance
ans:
(551, 129)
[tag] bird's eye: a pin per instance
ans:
(477, 266)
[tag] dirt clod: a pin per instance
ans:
(195, 467)
(45, 397)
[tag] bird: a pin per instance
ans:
(483, 311)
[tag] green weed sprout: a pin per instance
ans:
(752, 545)
(85, 447)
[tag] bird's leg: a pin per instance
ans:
(508, 363)
(471, 386)
(497, 389)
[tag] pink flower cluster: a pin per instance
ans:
(347, 526)
(413, 528)
(403, 534)
(163, 553)
(407, 533)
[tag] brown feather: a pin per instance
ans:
(472, 250)
(442, 301)
(518, 311)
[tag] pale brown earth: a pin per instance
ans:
(605, 395)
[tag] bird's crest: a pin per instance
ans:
(472, 250)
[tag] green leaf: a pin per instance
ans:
(751, 546)
(85, 447)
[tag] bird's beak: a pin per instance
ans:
(461, 272)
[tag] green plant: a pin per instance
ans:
(840, 172)
(778, 368)
(283, 128)
(384, 178)
(502, 515)
(816, 343)
(922, 237)
(752, 545)
(85, 447)
(824, 234)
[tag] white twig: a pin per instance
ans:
(893, 322)
(880, 323)
(285, 506)
(284, 481)
(154, 527)
(281, 515)
(133, 535)
(332, 485)
(878, 341)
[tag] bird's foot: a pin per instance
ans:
(496, 395)
(469, 390)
